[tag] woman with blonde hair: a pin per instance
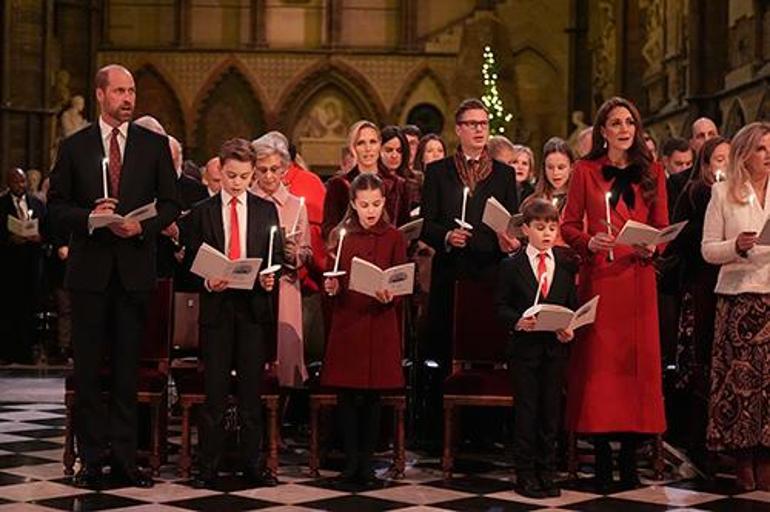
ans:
(365, 140)
(519, 157)
(739, 406)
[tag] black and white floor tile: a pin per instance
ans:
(31, 479)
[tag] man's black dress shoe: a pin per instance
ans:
(529, 488)
(89, 476)
(133, 477)
(205, 480)
(260, 477)
(549, 487)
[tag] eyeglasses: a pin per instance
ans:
(473, 125)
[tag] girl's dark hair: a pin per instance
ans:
(699, 174)
(364, 181)
(418, 162)
(543, 188)
(638, 154)
(394, 132)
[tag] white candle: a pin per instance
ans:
(270, 246)
(339, 251)
(607, 198)
(105, 192)
(296, 219)
(466, 190)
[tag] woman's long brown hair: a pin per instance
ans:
(638, 154)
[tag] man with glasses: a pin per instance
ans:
(465, 247)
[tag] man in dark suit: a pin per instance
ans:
(537, 359)
(236, 325)
(170, 249)
(21, 266)
(111, 270)
(462, 252)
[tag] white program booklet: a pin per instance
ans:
(368, 278)
(412, 230)
(100, 220)
(551, 317)
(497, 217)
(638, 233)
(23, 228)
(209, 263)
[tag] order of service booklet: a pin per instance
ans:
(209, 263)
(551, 317)
(368, 278)
(497, 217)
(638, 233)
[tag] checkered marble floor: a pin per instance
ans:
(31, 479)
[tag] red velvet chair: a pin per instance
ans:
(152, 387)
(479, 374)
(188, 376)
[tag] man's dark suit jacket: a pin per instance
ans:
(442, 200)
(147, 174)
(516, 290)
(204, 225)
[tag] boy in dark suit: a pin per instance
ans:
(235, 325)
(537, 359)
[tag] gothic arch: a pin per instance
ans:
(156, 97)
(410, 84)
(763, 112)
(227, 106)
(736, 119)
(328, 75)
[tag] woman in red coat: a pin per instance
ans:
(363, 353)
(614, 379)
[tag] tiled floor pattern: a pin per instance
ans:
(31, 479)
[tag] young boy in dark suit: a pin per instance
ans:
(537, 359)
(235, 325)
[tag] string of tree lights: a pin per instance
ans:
(498, 117)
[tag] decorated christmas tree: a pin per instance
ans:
(498, 117)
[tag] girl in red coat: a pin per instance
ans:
(614, 379)
(363, 353)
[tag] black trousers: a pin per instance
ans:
(360, 412)
(237, 341)
(107, 322)
(538, 386)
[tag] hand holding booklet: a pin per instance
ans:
(551, 317)
(100, 220)
(368, 278)
(241, 274)
(497, 217)
(23, 228)
(638, 233)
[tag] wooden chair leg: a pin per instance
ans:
(69, 437)
(314, 462)
(572, 454)
(447, 461)
(399, 450)
(185, 461)
(658, 463)
(156, 436)
(273, 432)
